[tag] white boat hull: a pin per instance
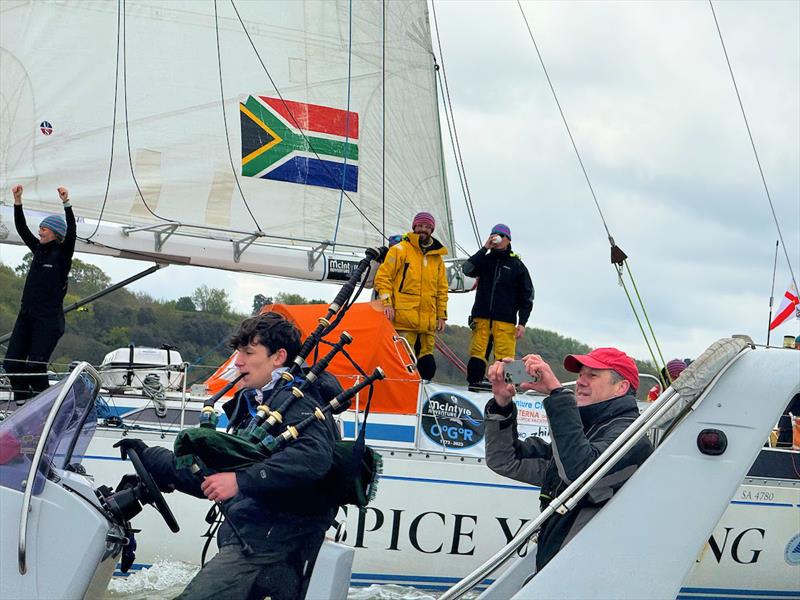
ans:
(438, 516)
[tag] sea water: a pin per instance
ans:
(164, 580)
(167, 578)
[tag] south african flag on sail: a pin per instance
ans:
(299, 143)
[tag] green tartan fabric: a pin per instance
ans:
(353, 478)
(217, 450)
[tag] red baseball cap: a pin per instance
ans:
(605, 358)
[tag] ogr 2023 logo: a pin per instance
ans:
(452, 421)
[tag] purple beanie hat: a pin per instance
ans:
(675, 367)
(502, 229)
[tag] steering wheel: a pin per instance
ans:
(154, 494)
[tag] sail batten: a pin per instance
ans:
(179, 123)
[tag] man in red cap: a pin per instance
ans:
(412, 285)
(583, 424)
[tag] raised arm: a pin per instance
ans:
(27, 236)
(69, 216)
(473, 266)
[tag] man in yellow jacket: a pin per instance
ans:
(412, 285)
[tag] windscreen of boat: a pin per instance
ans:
(67, 440)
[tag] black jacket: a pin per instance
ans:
(579, 436)
(505, 290)
(46, 284)
(263, 510)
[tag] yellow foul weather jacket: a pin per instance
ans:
(414, 284)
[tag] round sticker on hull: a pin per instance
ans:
(452, 421)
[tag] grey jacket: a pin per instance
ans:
(579, 436)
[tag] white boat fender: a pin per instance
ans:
(332, 571)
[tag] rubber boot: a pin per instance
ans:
(426, 365)
(476, 369)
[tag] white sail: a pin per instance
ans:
(354, 93)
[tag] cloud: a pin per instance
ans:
(650, 103)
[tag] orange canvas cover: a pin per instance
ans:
(375, 344)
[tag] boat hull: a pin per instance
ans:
(437, 516)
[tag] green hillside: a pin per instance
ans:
(198, 325)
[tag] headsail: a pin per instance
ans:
(217, 138)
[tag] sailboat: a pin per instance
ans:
(172, 161)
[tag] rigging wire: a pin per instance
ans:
(618, 257)
(752, 143)
(459, 170)
(113, 129)
(772, 291)
(296, 122)
(449, 116)
(461, 249)
(125, 102)
(346, 119)
(566, 125)
(383, 118)
(225, 120)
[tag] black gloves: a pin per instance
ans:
(126, 444)
(128, 481)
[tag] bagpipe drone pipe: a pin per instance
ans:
(257, 427)
(356, 467)
(352, 478)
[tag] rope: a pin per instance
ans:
(296, 123)
(225, 120)
(618, 257)
(639, 323)
(644, 312)
(113, 131)
(127, 122)
(153, 389)
(448, 353)
(752, 143)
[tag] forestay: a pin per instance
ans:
(221, 137)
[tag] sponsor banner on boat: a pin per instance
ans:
(531, 418)
(452, 419)
(340, 269)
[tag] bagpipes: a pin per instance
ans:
(356, 467)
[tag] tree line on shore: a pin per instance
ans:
(198, 325)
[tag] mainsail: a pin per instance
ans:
(238, 135)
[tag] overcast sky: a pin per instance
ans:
(650, 102)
